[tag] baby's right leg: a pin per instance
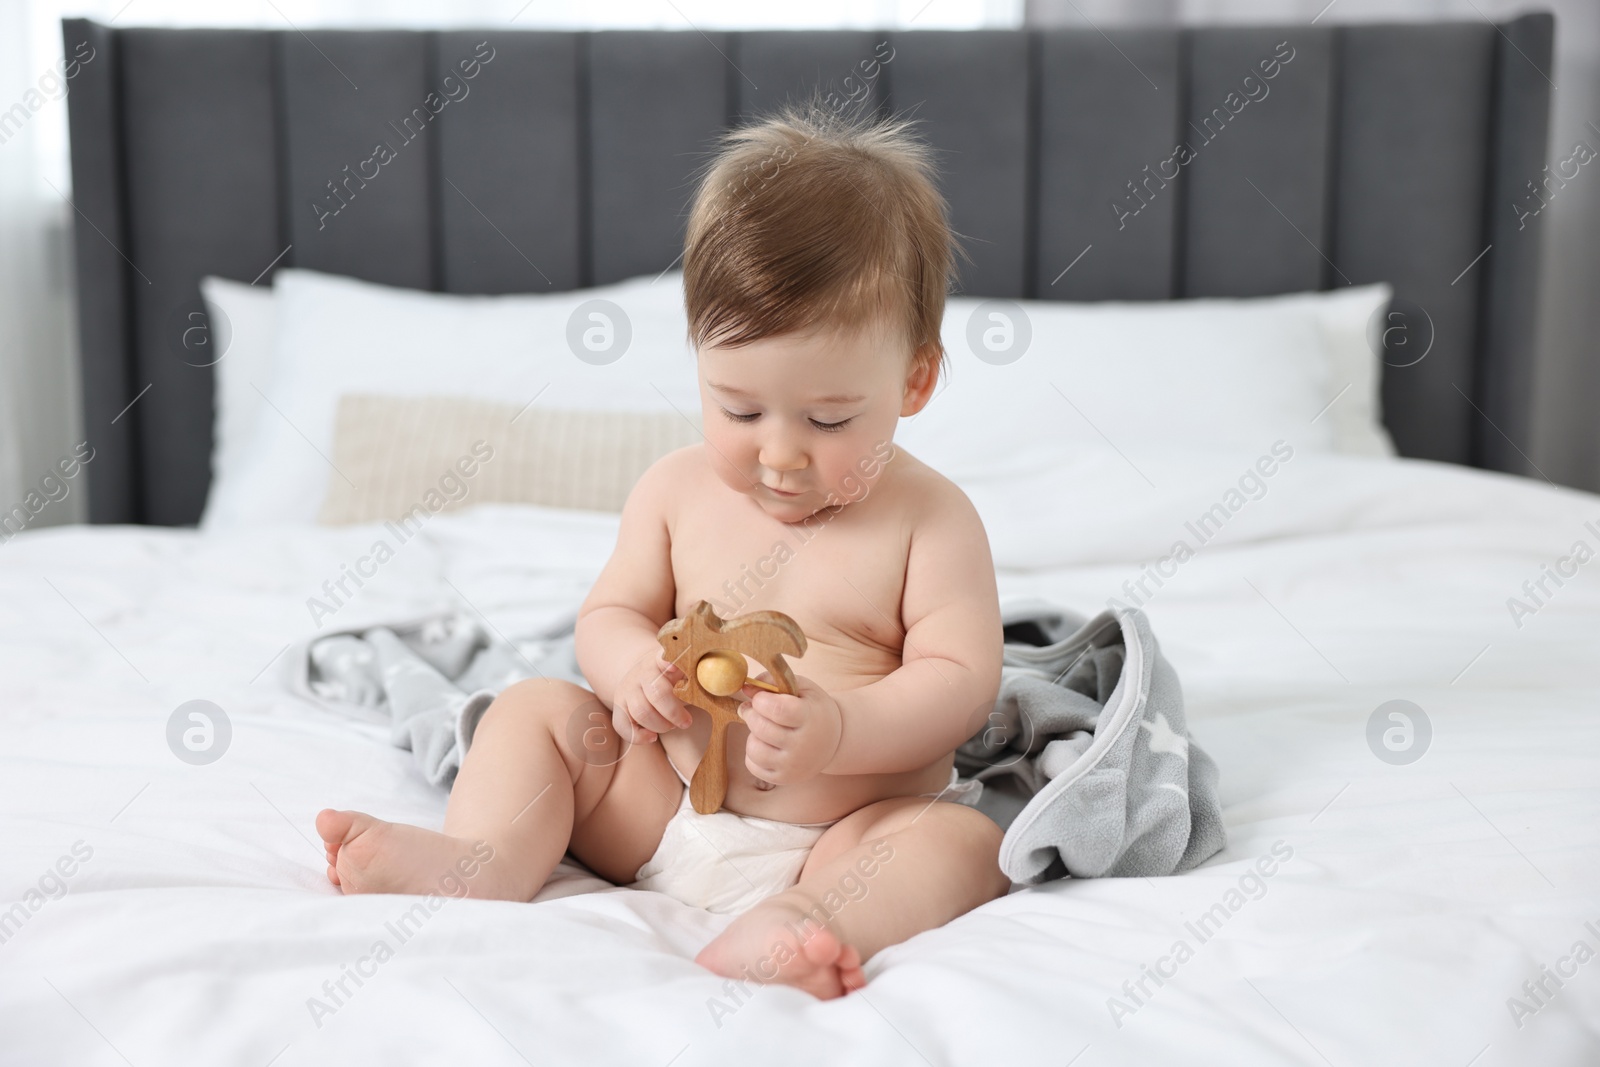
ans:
(545, 771)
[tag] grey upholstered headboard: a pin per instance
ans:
(1396, 152)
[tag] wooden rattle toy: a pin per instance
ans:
(711, 652)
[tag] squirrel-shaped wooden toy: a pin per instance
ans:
(711, 653)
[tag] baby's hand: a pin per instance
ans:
(644, 704)
(791, 737)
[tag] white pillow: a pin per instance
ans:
(1210, 373)
(241, 318)
(337, 336)
(1141, 377)
(1348, 318)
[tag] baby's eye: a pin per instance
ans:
(740, 418)
(832, 427)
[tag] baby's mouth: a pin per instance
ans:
(778, 492)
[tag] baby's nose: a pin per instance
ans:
(782, 454)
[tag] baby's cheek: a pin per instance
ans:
(864, 465)
(850, 484)
(727, 450)
(724, 461)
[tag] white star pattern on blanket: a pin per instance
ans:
(1163, 738)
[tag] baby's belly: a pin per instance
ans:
(821, 799)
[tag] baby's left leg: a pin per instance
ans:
(877, 877)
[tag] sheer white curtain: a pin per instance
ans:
(13, 51)
(39, 415)
(35, 376)
(1566, 436)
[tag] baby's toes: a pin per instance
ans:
(851, 976)
(825, 965)
(816, 961)
(334, 828)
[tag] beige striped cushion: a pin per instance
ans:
(393, 454)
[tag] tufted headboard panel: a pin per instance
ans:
(1392, 152)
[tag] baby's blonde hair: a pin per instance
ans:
(810, 219)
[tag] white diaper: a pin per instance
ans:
(727, 863)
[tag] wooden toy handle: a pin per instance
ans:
(709, 785)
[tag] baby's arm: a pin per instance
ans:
(949, 676)
(631, 600)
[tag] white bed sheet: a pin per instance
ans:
(1417, 901)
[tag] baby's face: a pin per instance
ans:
(804, 414)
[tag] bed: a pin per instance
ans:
(1420, 888)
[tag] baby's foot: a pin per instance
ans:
(368, 855)
(776, 942)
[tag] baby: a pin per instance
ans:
(815, 267)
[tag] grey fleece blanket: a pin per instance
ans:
(1086, 760)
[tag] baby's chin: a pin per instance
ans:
(788, 509)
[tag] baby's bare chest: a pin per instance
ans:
(840, 576)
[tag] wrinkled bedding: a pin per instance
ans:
(1366, 910)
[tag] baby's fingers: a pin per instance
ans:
(781, 708)
(623, 723)
(764, 728)
(650, 719)
(762, 760)
(666, 705)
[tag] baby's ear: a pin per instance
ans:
(921, 380)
